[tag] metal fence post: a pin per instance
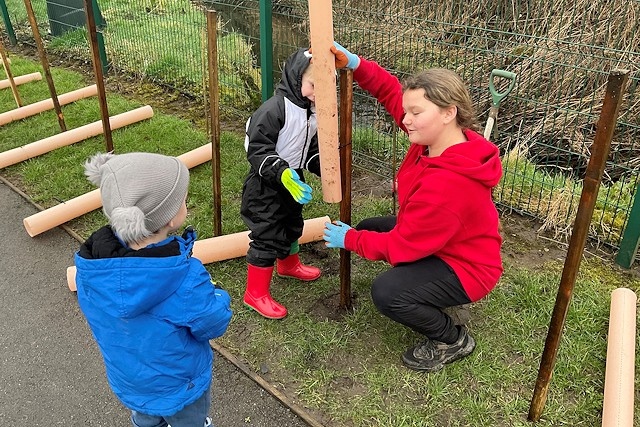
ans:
(7, 23)
(631, 236)
(266, 49)
(100, 24)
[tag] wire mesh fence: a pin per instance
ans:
(561, 53)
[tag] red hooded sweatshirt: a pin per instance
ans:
(445, 203)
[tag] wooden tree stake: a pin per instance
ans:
(324, 76)
(591, 184)
(7, 70)
(44, 61)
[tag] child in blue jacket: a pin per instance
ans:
(151, 306)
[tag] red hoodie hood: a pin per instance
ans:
(477, 159)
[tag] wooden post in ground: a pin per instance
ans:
(593, 176)
(7, 70)
(97, 69)
(45, 64)
(394, 167)
(346, 111)
(214, 118)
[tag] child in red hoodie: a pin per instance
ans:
(444, 244)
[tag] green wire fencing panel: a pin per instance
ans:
(61, 24)
(560, 51)
(18, 16)
(159, 41)
(66, 15)
(165, 42)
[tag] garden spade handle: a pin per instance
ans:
(497, 97)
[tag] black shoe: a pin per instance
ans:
(431, 356)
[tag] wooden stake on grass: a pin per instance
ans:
(214, 117)
(7, 70)
(593, 177)
(346, 110)
(45, 64)
(324, 75)
(97, 69)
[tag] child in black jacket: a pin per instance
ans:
(280, 141)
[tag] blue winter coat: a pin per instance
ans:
(152, 313)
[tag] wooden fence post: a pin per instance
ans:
(346, 111)
(214, 118)
(593, 177)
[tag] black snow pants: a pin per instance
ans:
(273, 217)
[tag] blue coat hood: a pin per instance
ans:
(130, 282)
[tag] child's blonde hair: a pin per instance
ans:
(445, 88)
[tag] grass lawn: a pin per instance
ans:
(345, 367)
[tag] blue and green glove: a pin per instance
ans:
(300, 191)
(344, 58)
(334, 234)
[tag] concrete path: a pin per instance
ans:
(51, 373)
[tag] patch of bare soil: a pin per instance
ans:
(330, 307)
(523, 246)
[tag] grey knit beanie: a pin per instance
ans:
(141, 192)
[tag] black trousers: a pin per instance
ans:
(413, 294)
(273, 217)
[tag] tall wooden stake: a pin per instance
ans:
(97, 69)
(346, 111)
(324, 75)
(394, 167)
(214, 117)
(7, 70)
(593, 176)
(45, 64)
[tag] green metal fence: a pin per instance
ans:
(561, 52)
